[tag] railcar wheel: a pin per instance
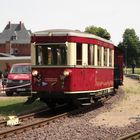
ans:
(116, 86)
(96, 100)
(74, 102)
(50, 103)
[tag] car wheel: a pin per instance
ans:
(9, 93)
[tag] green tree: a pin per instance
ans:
(131, 46)
(98, 31)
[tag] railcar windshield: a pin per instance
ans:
(51, 54)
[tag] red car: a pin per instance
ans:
(19, 79)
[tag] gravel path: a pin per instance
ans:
(104, 123)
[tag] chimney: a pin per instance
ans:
(20, 25)
(9, 24)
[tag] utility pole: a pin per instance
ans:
(125, 59)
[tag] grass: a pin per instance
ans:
(129, 70)
(15, 106)
(132, 88)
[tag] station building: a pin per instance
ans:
(15, 40)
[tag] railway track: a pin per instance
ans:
(35, 122)
(25, 117)
(38, 119)
(41, 120)
(132, 136)
(20, 129)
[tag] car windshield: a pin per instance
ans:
(21, 69)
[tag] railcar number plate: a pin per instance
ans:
(21, 89)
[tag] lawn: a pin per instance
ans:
(15, 106)
(131, 86)
(129, 70)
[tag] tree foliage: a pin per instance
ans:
(98, 31)
(131, 46)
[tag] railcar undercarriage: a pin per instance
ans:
(76, 100)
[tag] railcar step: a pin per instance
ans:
(86, 104)
(84, 98)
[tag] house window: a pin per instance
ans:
(15, 51)
(13, 37)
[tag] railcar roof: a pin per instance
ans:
(68, 32)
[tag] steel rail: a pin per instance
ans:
(25, 117)
(132, 136)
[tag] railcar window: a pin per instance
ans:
(105, 56)
(51, 55)
(99, 56)
(39, 54)
(110, 57)
(79, 54)
(91, 54)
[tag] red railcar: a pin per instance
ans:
(71, 65)
(118, 68)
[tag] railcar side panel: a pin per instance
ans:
(119, 63)
(80, 80)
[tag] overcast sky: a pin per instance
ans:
(113, 15)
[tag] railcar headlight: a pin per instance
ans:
(34, 72)
(66, 72)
